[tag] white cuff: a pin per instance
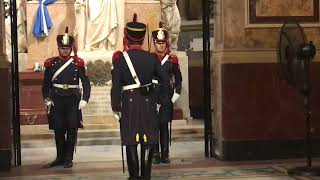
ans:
(117, 115)
(82, 104)
(175, 97)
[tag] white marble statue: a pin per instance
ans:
(21, 28)
(96, 24)
(170, 16)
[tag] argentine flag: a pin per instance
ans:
(43, 22)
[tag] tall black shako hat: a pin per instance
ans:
(135, 31)
(160, 35)
(65, 40)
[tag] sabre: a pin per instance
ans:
(148, 38)
(170, 132)
(118, 116)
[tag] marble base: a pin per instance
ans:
(183, 101)
(88, 56)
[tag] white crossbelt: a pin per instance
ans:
(132, 86)
(61, 69)
(165, 59)
(133, 74)
(66, 86)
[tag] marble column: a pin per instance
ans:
(5, 137)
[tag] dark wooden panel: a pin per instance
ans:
(267, 150)
(6, 115)
(5, 159)
(259, 104)
(196, 91)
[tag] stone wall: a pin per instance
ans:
(257, 115)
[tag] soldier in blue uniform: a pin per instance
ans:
(170, 65)
(64, 100)
(132, 98)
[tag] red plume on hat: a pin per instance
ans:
(135, 17)
(134, 31)
(65, 39)
(160, 24)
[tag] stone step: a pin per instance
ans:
(102, 134)
(41, 143)
(92, 133)
(94, 124)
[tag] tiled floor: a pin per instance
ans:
(188, 163)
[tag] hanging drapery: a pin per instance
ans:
(43, 22)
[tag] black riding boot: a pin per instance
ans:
(146, 161)
(70, 144)
(59, 136)
(156, 155)
(164, 143)
(132, 162)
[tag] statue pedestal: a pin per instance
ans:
(87, 56)
(32, 110)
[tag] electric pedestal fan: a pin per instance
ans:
(294, 56)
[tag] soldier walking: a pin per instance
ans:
(133, 101)
(64, 100)
(170, 66)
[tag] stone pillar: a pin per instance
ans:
(195, 10)
(183, 9)
(5, 96)
(257, 115)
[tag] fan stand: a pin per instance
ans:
(308, 170)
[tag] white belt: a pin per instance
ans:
(155, 81)
(132, 86)
(135, 86)
(65, 86)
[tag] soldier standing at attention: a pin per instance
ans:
(64, 100)
(170, 65)
(133, 101)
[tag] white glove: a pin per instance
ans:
(158, 107)
(48, 102)
(117, 115)
(175, 97)
(82, 104)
